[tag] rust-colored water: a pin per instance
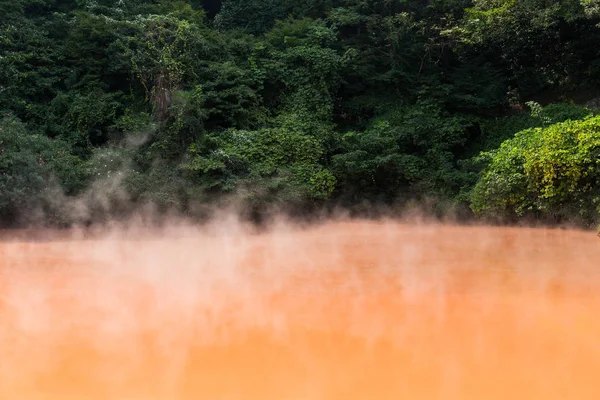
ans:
(346, 310)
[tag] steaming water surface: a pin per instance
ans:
(345, 310)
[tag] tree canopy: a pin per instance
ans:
(480, 104)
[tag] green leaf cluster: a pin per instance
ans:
(551, 172)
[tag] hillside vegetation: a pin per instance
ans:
(470, 105)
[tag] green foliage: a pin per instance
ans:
(32, 167)
(497, 130)
(82, 118)
(160, 185)
(523, 35)
(253, 16)
(302, 60)
(591, 7)
(179, 9)
(297, 102)
(550, 172)
(162, 57)
(231, 96)
(273, 164)
(554, 113)
(407, 152)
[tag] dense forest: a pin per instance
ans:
(484, 107)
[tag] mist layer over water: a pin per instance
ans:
(344, 310)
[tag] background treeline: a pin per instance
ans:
(471, 105)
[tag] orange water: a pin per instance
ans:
(346, 310)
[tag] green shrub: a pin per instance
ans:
(551, 172)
